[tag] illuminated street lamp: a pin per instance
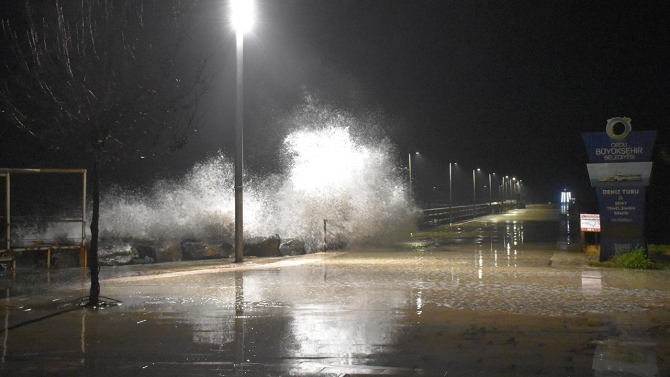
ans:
(513, 191)
(505, 181)
(242, 18)
(491, 192)
(409, 157)
(474, 190)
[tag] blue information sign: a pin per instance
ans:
(621, 204)
(621, 219)
(635, 147)
(620, 172)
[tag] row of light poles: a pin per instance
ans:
(242, 19)
(511, 185)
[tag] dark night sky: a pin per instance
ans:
(507, 86)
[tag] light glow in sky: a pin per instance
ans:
(242, 15)
(326, 161)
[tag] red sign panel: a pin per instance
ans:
(589, 222)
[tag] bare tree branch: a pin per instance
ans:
(106, 78)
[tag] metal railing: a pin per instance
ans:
(449, 215)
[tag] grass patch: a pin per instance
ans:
(635, 259)
(659, 250)
(658, 258)
(592, 250)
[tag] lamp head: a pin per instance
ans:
(242, 15)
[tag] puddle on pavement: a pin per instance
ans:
(626, 358)
(491, 306)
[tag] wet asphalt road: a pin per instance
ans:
(507, 295)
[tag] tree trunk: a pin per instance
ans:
(93, 264)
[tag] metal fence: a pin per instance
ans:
(449, 215)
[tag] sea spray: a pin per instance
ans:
(334, 167)
(196, 206)
(331, 176)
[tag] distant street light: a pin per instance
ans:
(242, 18)
(474, 190)
(409, 157)
(512, 189)
(500, 196)
(505, 181)
(491, 192)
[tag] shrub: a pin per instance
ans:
(636, 259)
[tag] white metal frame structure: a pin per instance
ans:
(44, 246)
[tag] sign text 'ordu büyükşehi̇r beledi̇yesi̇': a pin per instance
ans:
(619, 151)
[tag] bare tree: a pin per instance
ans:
(107, 78)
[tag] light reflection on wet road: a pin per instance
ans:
(491, 301)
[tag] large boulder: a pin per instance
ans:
(145, 251)
(169, 251)
(115, 253)
(292, 247)
(262, 247)
(146, 254)
(195, 250)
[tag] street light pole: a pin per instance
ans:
(239, 154)
(504, 193)
(474, 193)
(451, 217)
(474, 190)
(490, 193)
(409, 157)
(513, 191)
(500, 196)
(242, 19)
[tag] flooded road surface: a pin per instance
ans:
(509, 295)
